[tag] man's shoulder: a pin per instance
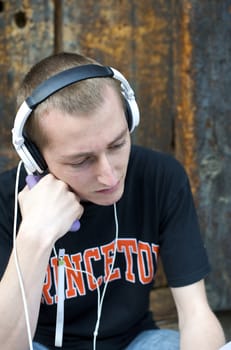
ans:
(8, 179)
(8, 176)
(149, 153)
(155, 159)
(156, 168)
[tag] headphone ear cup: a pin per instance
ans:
(128, 114)
(35, 153)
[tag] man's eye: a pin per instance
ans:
(118, 145)
(80, 163)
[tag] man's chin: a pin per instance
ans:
(106, 200)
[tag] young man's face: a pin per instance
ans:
(90, 152)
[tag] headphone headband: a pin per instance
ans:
(31, 157)
(64, 79)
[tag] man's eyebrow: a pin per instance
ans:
(88, 154)
(119, 137)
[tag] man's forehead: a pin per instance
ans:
(84, 131)
(88, 150)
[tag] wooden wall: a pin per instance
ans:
(176, 55)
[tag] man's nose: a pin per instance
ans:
(106, 175)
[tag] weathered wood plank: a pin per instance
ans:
(162, 305)
(203, 129)
(26, 36)
(213, 120)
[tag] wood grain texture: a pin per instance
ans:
(163, 306)
(203, 129)
(26, 36)
(212, 67)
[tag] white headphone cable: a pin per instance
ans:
(95, 334)
(100, 297)
(20, 279)
(59, 323)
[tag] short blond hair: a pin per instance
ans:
(84, 96)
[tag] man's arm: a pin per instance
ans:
(48, 211)
(33, 258)
(199, 327)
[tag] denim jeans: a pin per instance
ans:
(37, 346)
(158, 339)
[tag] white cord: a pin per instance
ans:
(83, 271)
(89, 274)
(100, 298)
(20, 279)
(95, 334)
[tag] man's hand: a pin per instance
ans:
(49, 207)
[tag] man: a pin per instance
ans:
(133, 204)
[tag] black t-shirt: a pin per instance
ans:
(156, 215)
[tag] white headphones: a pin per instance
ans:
(27, 151)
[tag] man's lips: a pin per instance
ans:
(110, 189)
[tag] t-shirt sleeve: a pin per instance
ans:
(182, 249)
(5, 228)
(7, 189)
